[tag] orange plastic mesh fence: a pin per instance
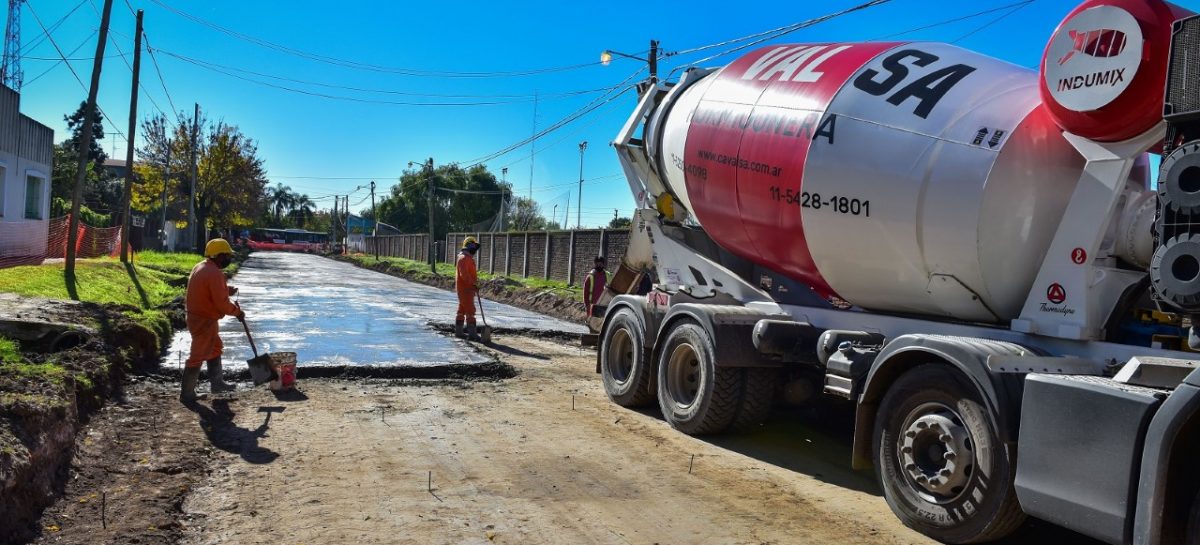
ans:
(33, 242)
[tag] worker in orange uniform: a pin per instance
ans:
(466, 283)
(207, 302)
(593, 286)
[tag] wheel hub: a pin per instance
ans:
(683, 375)
(620, 356)
(935, 453)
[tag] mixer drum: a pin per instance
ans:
(905, 177)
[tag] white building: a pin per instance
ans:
(26, 154)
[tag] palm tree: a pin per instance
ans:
(305, 207)
(281, 198)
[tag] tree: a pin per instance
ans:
(620, 223)
(231, 182)
(74, 121)
(281, 200)
(526, 216)
(99, 191)
(465, 200)
(303, 208)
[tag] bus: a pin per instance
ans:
(295, 240)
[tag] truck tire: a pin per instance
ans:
(942, 467)
(1192, 537)
(696, 396)
(624, 366)
(758, 396)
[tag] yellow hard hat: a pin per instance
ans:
(469, 240)
(216, 247)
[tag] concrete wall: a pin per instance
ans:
(570, 252)
(407, 246)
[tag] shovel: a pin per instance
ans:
(261, 370)
(486, 334)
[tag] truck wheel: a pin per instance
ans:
(627, 375)
(696, 396)
(758, 396)
(1193, 525)
(943, 469)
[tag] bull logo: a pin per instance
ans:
(1102, 43)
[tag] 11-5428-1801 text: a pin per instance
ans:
(804, 199)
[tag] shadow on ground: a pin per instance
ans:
(223, 433)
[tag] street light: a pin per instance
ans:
(553, 216)
(606, 58)
(579, 205)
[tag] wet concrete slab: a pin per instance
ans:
(335, 314)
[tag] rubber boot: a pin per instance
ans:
(458, 329)
(471, 333)
(216, 380)
(187, 388)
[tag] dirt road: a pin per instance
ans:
(505, 462)
(541, 458)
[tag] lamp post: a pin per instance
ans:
(553, 216)
(579, 204)
(651, 60)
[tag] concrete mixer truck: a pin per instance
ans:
(969, 251)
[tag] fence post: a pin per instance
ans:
(507, 254)
(525, 258)
(604, 243)
(492, 257)
(546, 261)
(571, 261)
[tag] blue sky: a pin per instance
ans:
(322, 146)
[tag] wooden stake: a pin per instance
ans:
(692, 461)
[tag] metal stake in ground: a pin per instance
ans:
(103, 509)
(690, 462)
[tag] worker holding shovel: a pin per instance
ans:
(207, 302)
(466, 284)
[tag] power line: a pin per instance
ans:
(73, 72)
(215, 68)
(586, 109)
(214, 65)
(956, 19)
(157, 70)
(361, 65)
(41, 39)
(992, 22)
(782, 31)
(60, 61)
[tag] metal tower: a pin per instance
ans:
(11, 68)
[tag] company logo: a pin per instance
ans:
(1093, 58)
(1056, 294)
(792, 63)
(1095, 43)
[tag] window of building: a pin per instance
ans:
(34, 201)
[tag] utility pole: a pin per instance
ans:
(166, 182)
(126, 224)
(566, 224)
(84, 146)
(579, 205)
(652, 60)
(191, 245)
(504, 200)
(432, 244)
(533, 141)
(375, 218)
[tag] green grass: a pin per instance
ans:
(160, 278)
(97, 280)
(9, 351)
(420, 270)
